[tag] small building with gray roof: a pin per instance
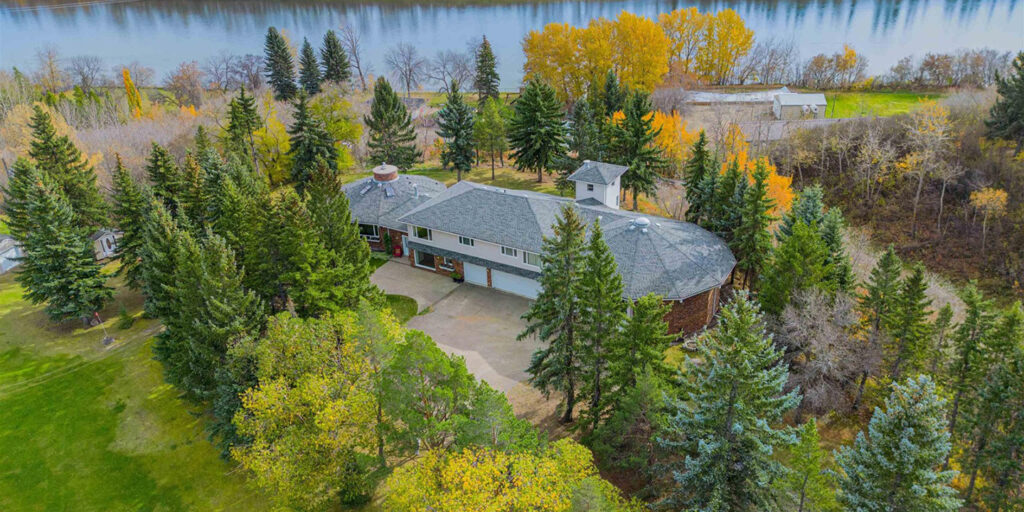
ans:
(378, 201)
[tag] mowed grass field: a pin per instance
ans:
(87, 427)
(871, 104)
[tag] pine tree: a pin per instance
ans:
(940, 330)
(967, 368)
(194, 197)
(798, 263)
(58, 268)
(723, 420)
(392, 137)
(602, 314)
(490, 129)
(878, 303)
(554, 316)
(841, 275)
(243, 121)
(160, 258)
(641, 346)
(808, 207)
(336, 67)
(536, 134)
(1005, 116)
(631, 143)
(700, 165)
(309, 70)
(311, 145)
(613, 96)
(165, 178)
(280, 69)
(62, 163)
(130, 210)
(895, 465)
(21, 182)
(486, 81)
(908, 325)
(455, 126)
(707, 192)
(751, 241)
(723, 218)
(808, 484)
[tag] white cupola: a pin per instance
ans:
(598, 181)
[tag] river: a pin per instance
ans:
(162, 33)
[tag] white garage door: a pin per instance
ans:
(512, 283)
(475, 274)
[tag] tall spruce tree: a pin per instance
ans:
(878, 302)
(967, 369)
(838, 259)
(554, 316)
(336, 67)
(808, 207)
(725, 209)
(311, 145)
(536, 134)
(798, 263)
(280, 69)
(751, 241)
(602, 315)
(808, 485)
(908, 325)
(486, 81)
(195, 196)
(895, 464)
(165, 178)
(941, 328)
(455, 125)
(1006, 115)
(57, 158)
(309, 70)
(243, 122)
(392, 136)
(641, 346)
(723, 422)
(21, 181)
(490, 129)
(707, 191)
(160, 258)
(58, 268)
(130, 209)
(631, 143)
(613, 96)
(700, 164)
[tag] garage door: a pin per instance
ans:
(475, 274)
(512, 283)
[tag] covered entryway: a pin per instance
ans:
(475, 274)
(522, 286)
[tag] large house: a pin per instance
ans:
(493, 237)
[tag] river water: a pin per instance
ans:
(162, 33)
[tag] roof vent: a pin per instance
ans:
(641, 222)
(384, 173)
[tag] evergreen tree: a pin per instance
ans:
(808, 207)
(967, 368)
(62, 163)
(798, 263)
(641, 346)
(311, 145)
(455, 126)
(309, 70)
(613, 96)
(585, 137)
(210, 310)
(751, 241)
(908, 327)
(1006, 114)
(724, 219)
(626, 439)
(194, 194)
(21, 182)
(58, 268)
(878, 303)
(700, 165)
(895, 465)
(808, 484)
(631, 143)
(392, 137)
(160, 258)
(486, 81)
(841, 274)
(554, 316)
(490, 129)
(940, 331)
(130, 210)
(336, 66)
(723, 420)
(602, 314)
(280, 70)
(707, 192)
(165, 178)
(536, 134)
(243, 121)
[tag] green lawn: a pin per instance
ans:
(870, 104)
(403, 307)
(85, 427)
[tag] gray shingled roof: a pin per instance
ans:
(597, 172)
(374, 206)
(801, 99)
(672, 258)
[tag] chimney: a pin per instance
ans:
(384, 173)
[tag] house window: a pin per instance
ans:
(531, 258)
(423, 233)
(424, 260)
(590, 187)
(465, 240)
(447, 264)
(508, 251)
(369, 232)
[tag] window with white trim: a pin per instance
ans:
(509, 251)
(531, 258)
(424, 233)
(447, 264)
(590, 187)
(465, 240)
(369, 232)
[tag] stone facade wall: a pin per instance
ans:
(691, 315)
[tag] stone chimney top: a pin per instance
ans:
(384, 173)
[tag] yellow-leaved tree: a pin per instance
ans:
(990, 202)
(561, 478)
(552, 56)
(685, 29)
(273, 143)
(674, 139)
(726, 40)
(640, 51)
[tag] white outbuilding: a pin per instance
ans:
(799, 106)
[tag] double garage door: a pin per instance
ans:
(511, 283)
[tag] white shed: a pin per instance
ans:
(799, 106)
(10, 253)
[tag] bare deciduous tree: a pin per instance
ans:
(874, 160)
(450, 66)
(49, 74)
(141, 75)
(769, 62)
(406, 65)
(221, 71)
(186, 83)
(249, 71)
(353, 46)
(86, 71)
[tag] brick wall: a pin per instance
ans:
(691, 315)
(396, 238)
(438, 261)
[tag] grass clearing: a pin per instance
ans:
(403, 307)
(871, 104)
(88, 427)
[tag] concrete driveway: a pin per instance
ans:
(398, 277)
